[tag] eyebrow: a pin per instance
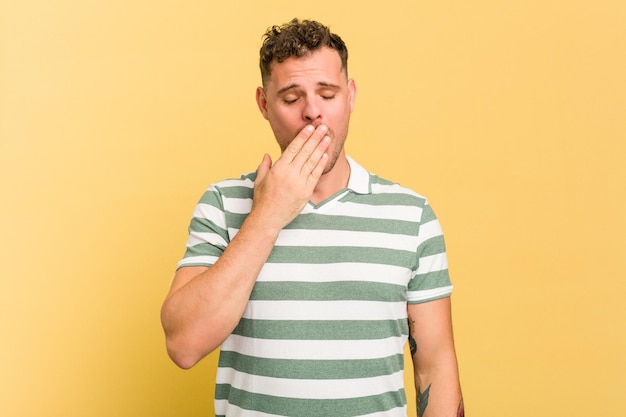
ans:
(320, 84)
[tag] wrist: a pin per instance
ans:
(261, 226)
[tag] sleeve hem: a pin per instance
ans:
(418, 297)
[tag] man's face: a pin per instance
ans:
(310, 90)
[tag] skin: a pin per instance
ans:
(434, 359)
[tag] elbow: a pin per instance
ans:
(183, 362)
(179, 348)
(182, 356)
(185, 349)
(177, 343)
(187, 344)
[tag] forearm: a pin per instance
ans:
(202, 310)
(434, 360)
(439, 393)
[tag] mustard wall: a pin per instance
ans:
(116, 115)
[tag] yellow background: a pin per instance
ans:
(116, 115)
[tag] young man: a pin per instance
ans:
(312, 273)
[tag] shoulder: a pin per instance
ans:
(233, 187)
(394, 193)
(228, 194)
(375, 188)
(243, 181)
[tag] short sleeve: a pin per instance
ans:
(430, 280)
(208, 234)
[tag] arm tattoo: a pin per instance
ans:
(412, 343)
(422, 401)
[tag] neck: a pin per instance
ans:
(333, 181)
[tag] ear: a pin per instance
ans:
(261, 101)
(351, 93)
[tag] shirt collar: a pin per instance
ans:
(359, 181)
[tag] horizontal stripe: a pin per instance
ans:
(431, 263)
(432, 246)
(324, 310)
(207, 211)
(200, 225)
(381, 405)
(338, 290)
(334, 254)
(243, 181)
(234, 411)
(344, 271)
(330, 221)
(337, 238)
(211, 238)
(237, 205)
(204, 249)
(428, 231)
(406, 213)
(236, 188)
(315, 349)
(297, 369)
(321, 329)
(389, 189)
(326, 389)
(197, 261)
(388, 196)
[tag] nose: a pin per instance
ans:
(312, 111)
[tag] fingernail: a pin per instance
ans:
(309, 129)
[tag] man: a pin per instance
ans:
(312, 273)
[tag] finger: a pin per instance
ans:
(316, 157)
(318, 170)
(296, 144)
(309, 147)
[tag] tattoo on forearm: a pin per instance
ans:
(422, 401)
(461, 410)
(412, 343)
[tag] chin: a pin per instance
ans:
(331, 163)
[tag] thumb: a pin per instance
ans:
(264, 168)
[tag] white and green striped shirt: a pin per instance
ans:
(324, 331)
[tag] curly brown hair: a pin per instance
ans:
(298, 38)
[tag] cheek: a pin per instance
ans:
(341, 121)
(285, 118)
(284, 128)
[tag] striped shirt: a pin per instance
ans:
(324, 331)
